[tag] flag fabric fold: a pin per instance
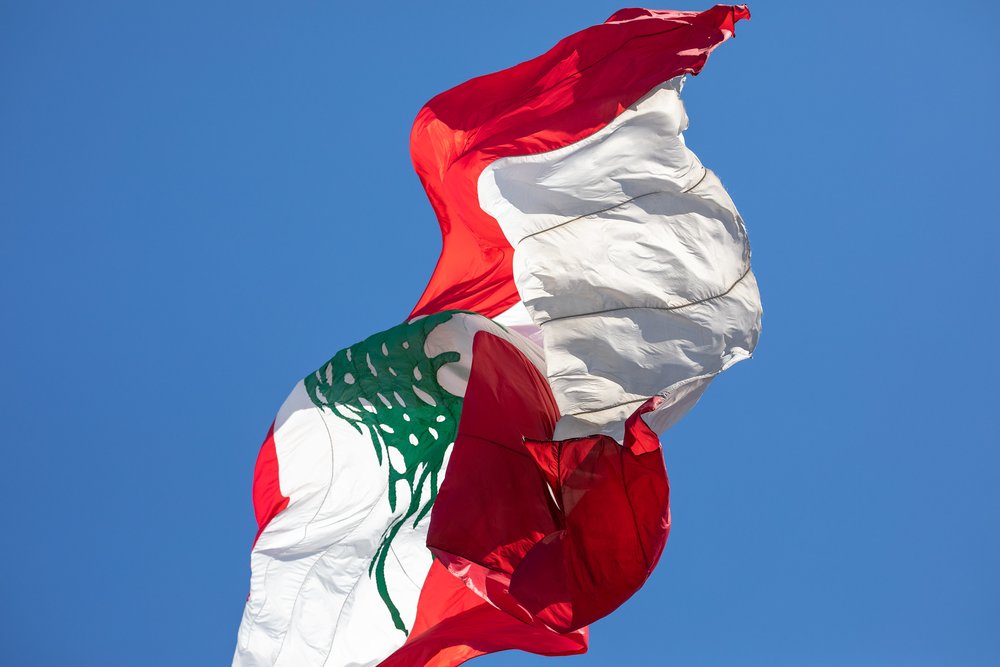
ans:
(556, 533)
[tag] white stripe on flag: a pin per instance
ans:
(633, 260)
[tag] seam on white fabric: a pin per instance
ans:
(666, 391)
(340, 615)
(402, 567)
(587, 215)
(607, 407)
(686, 190)
(665, 308)
(305, 528)
(322, 555)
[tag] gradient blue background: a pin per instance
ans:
(202, 202)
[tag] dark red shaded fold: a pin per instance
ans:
(553, 535)
(613, 506)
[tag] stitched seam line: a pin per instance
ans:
(305, 528)
(664, 308)
(608, 407)
(406, 574)
(312, 568)
(686, 190)
(587, 215)
(323, 554)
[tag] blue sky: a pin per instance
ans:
(201, 202)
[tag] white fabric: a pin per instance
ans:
(516, 318)
(312, 559)
(631, 258)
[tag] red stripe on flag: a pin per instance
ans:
(267, 498)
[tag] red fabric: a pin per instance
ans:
(552, 535)
(554, 100)
(454, 625)
(614, 511)
(267, 498)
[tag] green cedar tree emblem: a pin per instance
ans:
(386, 388)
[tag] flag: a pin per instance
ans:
(592, 250)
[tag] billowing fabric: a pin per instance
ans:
(634, 263)
(579, 229)
(557, 534)
(568, 202)
(544, 104)
(534, 538)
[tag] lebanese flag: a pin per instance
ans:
(579, 229)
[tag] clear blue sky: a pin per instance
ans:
(201, 202)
